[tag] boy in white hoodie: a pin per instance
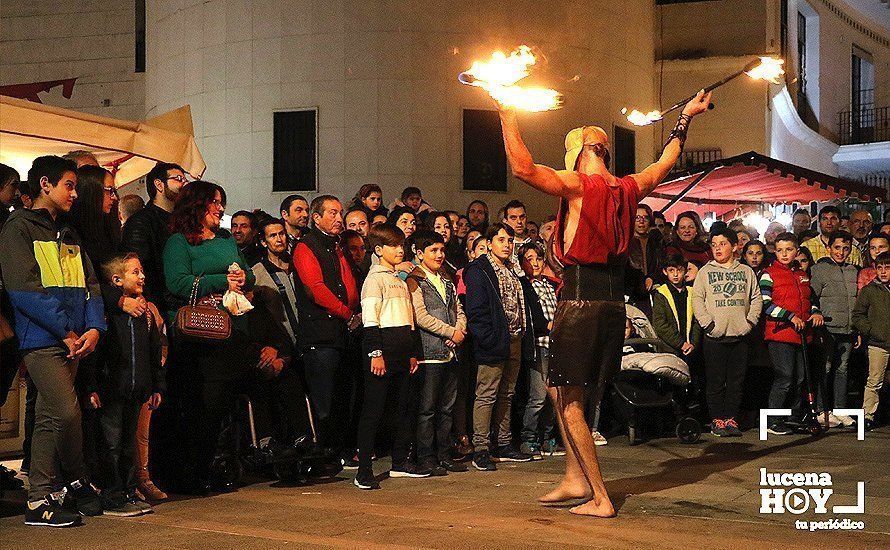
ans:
(727, 304)
(391, 354)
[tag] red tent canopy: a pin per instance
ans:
(749, 180)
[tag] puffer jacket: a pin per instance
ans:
(437, 318)
(786, 294)
(50, 280)
(835, 286)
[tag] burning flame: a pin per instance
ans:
(770, 69)
(503, 70)
(499, 74)
(639, 118)
(527, 99)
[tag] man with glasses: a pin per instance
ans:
(146, 231)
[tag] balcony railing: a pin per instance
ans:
(864, 123)
(694, 157)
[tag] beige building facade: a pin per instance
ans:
(382, 76)
(837, 57)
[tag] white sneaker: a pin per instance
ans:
(598, 439)
(846, 420)
(834, 421)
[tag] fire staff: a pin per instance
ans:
(594, 225)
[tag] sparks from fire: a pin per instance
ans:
(767, 68)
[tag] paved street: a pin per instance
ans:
(669, 495)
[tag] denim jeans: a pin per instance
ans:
(537, 402)
(434, 415)
(788, 365)
(837, 356)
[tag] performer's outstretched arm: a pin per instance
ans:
(648, 179)
(561, 183)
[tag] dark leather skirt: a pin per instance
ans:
(588, 327)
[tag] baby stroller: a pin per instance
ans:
(651, 377)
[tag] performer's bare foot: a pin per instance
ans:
(590, 508)
(567, 490)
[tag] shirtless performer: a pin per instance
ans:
(594, 223)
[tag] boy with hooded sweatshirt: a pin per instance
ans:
(58, 319)
(726, 302)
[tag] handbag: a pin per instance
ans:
(200, 322)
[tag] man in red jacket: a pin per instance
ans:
(787, 302)
(594, 223)
(327, 301)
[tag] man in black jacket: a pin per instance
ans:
(327, 301)
(146, 232)
(501, 319)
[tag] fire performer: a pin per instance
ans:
(594, 222)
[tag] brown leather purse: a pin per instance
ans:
(202, 321)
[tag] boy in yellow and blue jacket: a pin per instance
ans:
(55, 295)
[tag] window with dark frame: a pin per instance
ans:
(485, 161)
(140, 37)
(295, 150)
(625, 151)
(862, 96)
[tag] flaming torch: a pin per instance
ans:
(764, 68)
(499, 75)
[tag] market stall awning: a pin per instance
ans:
(749, 180)
(128, 148)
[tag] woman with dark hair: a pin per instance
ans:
(755, 256)
(370, 200)
(805, 259)
(9, 187)
(455, 256)
(94, 217)
(94, 213)
(405, 219)
(689, 239)
(199, 254)
(878, 243)
(462, 228)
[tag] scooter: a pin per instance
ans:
(810, 422)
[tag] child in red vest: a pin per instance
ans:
(788, 306)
